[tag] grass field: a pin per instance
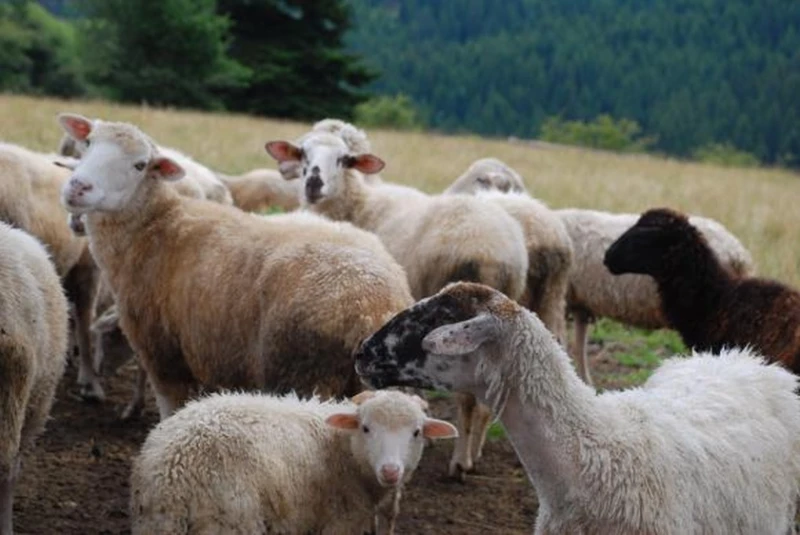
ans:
(758, 205)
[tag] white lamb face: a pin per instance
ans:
(388, 433)
(322, 160)
(117, 160)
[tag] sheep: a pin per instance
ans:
(546, 239)
(711, 307)
(437, 239)
(488, 174)
(282, 459)
(29, 200)
(261, 189)
(632, 299)
(33, 350)
(709, 444)
(292, 294)
(198, 182)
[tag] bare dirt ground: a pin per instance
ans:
(76, 480)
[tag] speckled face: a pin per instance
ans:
(396, 355)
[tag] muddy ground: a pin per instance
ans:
(76, 480)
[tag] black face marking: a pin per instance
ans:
(394, 355)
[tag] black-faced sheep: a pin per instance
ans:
(709, 444)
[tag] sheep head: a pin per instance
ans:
(324, 159)
(657, 240)
(439, 342)
(388, 431)
(119, 158)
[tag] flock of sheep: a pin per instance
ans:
(117, 245)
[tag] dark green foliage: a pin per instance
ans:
(295, 51)
(166, 52)
(604, 132)
(397, 112)
(37, 52)
(689, 73)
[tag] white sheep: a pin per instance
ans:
(248, 463)
(33, 350)
(631, 299)
(709, 444)
(436, 238)
(293, 294)
(488, 174)
(30, 191)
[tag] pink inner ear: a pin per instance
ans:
(438, 429)
(167, 167)
(368, 164)
(79, 128)
(342, 421)
(283, 151)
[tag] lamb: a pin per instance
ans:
(283, 459)
(261, 189)
(437, 239)
(709, 444)
(631, 299)
(711, 307)
(488, 174)
(29, 200)
(293, 294)
(33, 350)
(198, 182)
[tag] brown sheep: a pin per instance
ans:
(211, 296)
(706, 303)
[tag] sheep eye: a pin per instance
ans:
(416, 433)
(365, 428)
(139, 166)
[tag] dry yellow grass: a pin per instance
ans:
(762, 207)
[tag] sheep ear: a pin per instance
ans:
(164, 168)
(361, 397)
(77, 126)
(342, 420)
(369, 164)
(433, 428)
(283, 151)
(461, 338)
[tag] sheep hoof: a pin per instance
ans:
(92, 393)
(457, 472)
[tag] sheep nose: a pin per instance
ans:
(79, 187)
(390, 473)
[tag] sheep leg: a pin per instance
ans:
(170, 395)
(80, 285)
(581, 320)
(461, 461)
(8, 480)
(136, 404)
(481, 419)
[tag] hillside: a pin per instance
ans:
(690, 72)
